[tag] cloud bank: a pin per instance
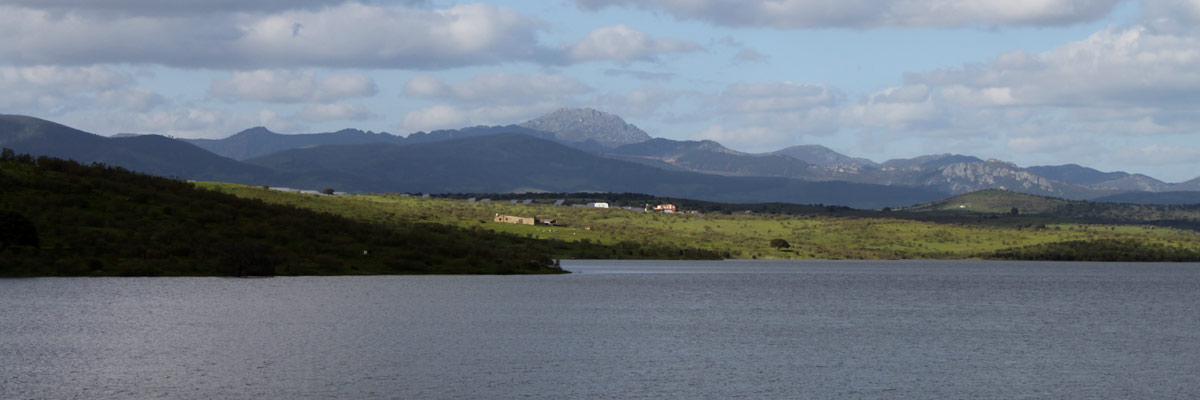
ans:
(862, 14)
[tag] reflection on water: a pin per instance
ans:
(750, 329)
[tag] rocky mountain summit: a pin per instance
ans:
(581, 125)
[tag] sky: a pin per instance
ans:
(1109, 84)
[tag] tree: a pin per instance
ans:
(1014, 211)
(16, 230)
(327, 191)
(248, 259)
(780, 244)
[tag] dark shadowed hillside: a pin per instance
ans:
(1183, 197)
(76, 220)
(151, 154)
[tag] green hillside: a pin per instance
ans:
(1055, 209)
(60, 218)
(994, 201)
(819, 233)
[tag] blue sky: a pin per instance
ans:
(1110, 84)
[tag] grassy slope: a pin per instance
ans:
(994, 201)
(736, 235)
(1047, 210)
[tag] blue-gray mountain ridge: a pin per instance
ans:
(239, 158)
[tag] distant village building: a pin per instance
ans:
(598, 205)
(665, 208)
(509, 219)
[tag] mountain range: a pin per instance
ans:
(573, 150)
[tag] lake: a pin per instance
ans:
(617, 329)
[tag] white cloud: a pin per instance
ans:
(433, 118)
(361, 35)
(179, 7)
(1178, 16)
(776, 97)
(909, 108)
(801, 14)
(752, 138)
(491, 99)
(643, 102)
(458, 116)
(767, 116)
(641, 75)
(130, 99)
(1115, 67)
(425, 86)
(186, 122)
(334, 112)
(1042, 144)
(285, 86)
(1119, 81)
(55, 90)
(344, 35)
(313, 33)
(622, 43)
(1160, 155)
(499, 88)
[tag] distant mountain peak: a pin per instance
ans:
(1074, 173)
(588, 124)
(816, 154)
(930, 161)
(255, 131)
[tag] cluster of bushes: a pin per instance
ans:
(1099, 250)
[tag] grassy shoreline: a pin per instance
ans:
(745, 236)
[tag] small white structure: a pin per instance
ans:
(598, 205)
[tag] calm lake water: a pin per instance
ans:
(733, 329)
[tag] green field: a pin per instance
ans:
(740, 235)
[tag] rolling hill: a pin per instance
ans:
(594, 132)
(1165, 198)
(520, 163)
(151, 154)
(712, 158)
(823, 156)
(257, 142)
(1074, 173)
